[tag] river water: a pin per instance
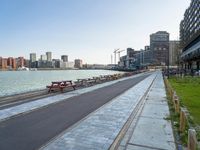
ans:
(15, 82)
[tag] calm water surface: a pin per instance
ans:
(14, 82)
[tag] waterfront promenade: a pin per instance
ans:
(90, 118)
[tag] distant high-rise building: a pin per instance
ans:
(49, 56)
(174, 53)
(78, 63)
(190, 36)
(33, 60)
(20, 62)
(33, 57)
(64, 58)
(43, 57)
(159, 45)
(57, 63)
(130, 58)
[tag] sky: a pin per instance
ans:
(86, 29)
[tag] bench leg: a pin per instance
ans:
(49, 90)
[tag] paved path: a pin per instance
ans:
(99, 130)
(33, 129)
(151, 130)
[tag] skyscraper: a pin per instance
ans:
(43, 57)
(64, 58)
(78, 63)
(32, 57)
(159, 45)
(49, 56)
(174, 53)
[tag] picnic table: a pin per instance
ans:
(86, 82)
(61, 85)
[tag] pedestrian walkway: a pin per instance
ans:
(99, 130)
(33, 105)
(151, 130)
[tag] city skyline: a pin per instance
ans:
(88, 30)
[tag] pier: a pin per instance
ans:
(128, 113)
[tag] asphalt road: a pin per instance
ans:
(32, 130)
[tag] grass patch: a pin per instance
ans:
(188, 90)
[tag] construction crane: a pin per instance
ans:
(119, 53)
(115, 51)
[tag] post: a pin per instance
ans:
(177, 105)
(192, 140)
(183, 120)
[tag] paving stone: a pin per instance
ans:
(153, 133)
(100, 128)
(155, 111)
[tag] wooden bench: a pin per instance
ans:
(60, 85)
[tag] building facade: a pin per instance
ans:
(49, 56)
(190, 36)
(64, 58)
(20, 62)
(33, 60)
(159, 45)
(174, 53)
(33, 57)
(3, 63)
(43, 57)
(78, 63)
(11, 63)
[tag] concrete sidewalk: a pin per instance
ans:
(150, 130)
(99, 130)
(104, 128)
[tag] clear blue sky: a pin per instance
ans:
(86, 29)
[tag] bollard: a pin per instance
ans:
(171, 92)
(173, 98)
(177, 105)
(183, 119)
(192, 140)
